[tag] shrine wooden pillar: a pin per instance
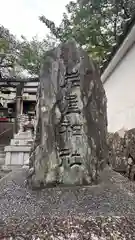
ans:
(19, 104)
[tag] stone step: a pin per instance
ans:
(2, 151)
(2, 145)
(2, 161)
(2, 154)
(2, 148)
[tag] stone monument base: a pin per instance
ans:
(17, 153)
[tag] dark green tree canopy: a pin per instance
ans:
(94, 24)
(24, 53)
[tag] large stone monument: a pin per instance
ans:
(71, 120)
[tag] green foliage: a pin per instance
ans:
(94, 24)
(8, 46)
(24, 53)
(4, 44)
(32, 53)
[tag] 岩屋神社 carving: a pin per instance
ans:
(70, 145)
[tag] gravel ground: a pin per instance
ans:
(105, 211)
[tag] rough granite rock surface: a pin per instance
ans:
(117, 152)
(71, 125)
(122, 152)
(129, 138)
(98, 212)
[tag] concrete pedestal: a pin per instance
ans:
(17, 153)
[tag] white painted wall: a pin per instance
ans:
(120, 91)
